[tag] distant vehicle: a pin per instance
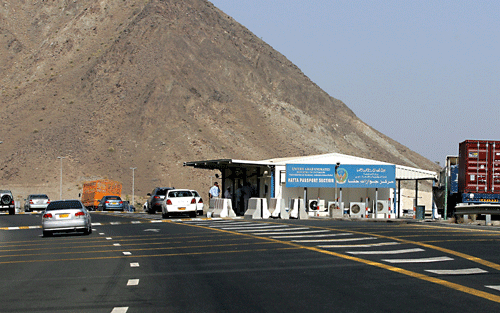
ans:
(37, 202)
(199, 202)
(156, 198)
(110, 203)
(179, 201)
(66, 216)
(94, 191)
(7, 202)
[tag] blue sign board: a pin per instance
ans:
(348, 176)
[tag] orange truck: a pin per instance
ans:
(93, 191)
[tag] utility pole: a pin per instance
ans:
(60, 183)
(133, 184)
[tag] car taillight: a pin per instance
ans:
(47, 215)
(157, 197)
(121, 202)
(169, 202)
(201, 200)
(48, 201)
(193, 201)
(107, 201)
(79, 213)
(31, 201)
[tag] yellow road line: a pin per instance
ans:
(149, 256)
(141, 249)
(458, 287)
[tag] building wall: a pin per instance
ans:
(408, 198)
(358, 194)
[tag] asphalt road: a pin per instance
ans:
(141, 263)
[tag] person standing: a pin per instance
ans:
(247, 194)
(227, 193)
(239, 200)
(214, 191)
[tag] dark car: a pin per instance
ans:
(109, 203)
(156, 197)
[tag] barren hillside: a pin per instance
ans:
(111, 85)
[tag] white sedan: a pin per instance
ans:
(178, 201)
(66, 216)
(199, 202)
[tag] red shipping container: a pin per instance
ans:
(479, 166)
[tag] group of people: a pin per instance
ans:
(242, 194)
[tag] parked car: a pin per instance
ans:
(110, 203)
(66, 216)
(199, 202)
(156, 198)
(7, 202)
(179, 201)
(36, 202)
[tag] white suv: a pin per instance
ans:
(7, 202)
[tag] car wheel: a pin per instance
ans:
(164, 215)
(192, 214)
(12, 211)
(47, 233)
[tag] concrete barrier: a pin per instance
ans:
(257, 208)
(297, 207)
(220, 207)
(277, 207)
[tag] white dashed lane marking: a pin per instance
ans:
(311, 236)
(336, 240)
(465, 271)
(254, 227)
(361, 246)
(133, 282)
(422, 260)
(123, 309)
(271, 231)
(126, 253)
(387, 252)
(134, 264)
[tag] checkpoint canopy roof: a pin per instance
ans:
(402, 172)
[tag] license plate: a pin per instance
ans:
(180, 209)
(63, 215)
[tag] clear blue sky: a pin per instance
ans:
(425, 73)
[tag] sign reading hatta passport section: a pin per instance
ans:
(348, 176)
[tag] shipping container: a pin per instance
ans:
(479, 167)
(93, 191)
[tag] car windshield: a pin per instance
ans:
(162, 192)
(180, 193)
(39, 197)
(62, 205)
(112, 198)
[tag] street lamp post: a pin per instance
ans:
(133, 183)
(60, 182)
(336, 199)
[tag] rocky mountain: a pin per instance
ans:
(110, 85)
